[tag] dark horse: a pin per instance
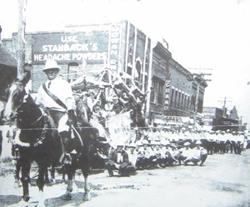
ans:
(38, 141)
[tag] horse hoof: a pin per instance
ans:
(86, 197)
(66, 197)
(26, 198)
(17, 184)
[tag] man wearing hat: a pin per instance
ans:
(56, 96)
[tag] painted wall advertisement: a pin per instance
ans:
(71, 47)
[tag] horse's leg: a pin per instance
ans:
(87, 196)
(52, 175)
(26, 165)
(46, 176)
(17, 173)
(63, 174)
(53, 170)
(75, 187)
(70, 173)
(16, 159)
(43, 170)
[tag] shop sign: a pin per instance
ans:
(114, 47)
(166, 105)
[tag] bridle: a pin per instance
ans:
(9, 109)
(18, 108)
(43, 114)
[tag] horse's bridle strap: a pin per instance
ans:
(39, 118)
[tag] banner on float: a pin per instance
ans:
(119, 127)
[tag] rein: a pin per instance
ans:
(41, 138)
(39, 118)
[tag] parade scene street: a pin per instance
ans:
(222, 181)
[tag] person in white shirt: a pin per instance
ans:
(61, 104)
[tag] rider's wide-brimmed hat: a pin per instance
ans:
(51, 64)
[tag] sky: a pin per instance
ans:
(208, 36)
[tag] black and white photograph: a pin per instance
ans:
(129, 103)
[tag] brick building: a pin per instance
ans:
(124, 49)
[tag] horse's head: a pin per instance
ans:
(16, 93)
(28, 113)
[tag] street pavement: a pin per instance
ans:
(224, 181)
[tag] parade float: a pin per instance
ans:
(105, 100)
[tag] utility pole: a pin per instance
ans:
(197, 78)
(22, 4)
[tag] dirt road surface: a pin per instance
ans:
(224, 181)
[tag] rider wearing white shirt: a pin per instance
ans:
(56, 96)
(61, 115)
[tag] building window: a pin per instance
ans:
(157, 92)
(172, 98)
(138, 72)
(152, 95)
(128, 80)
(176, 99)
(188, 103)
(182, 101)
(160, 92)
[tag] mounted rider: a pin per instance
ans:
(56, 96)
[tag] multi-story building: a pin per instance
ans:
(123, 49)
(159, 78)
(179, 97)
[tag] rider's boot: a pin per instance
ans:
(67, 144)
